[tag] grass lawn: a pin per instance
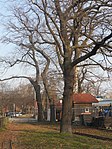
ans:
(48, 137)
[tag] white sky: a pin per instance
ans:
(6, 49)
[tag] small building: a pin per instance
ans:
(82, 108)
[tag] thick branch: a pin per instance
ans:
(93, 52)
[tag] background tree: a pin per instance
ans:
(90, 82)
(21, 97)
(23, 32)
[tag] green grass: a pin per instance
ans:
(55, 140)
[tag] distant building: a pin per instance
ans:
(103, 103)
(99, 98)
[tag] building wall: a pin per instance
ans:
(82, 113)
(80, 109)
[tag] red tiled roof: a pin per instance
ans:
(80, 99)
(84, 98)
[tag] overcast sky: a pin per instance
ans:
(6, 49)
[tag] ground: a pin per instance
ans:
(47, 136)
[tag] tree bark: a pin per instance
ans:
(52, 113)
(39, 103)
(38, 98)
(67, 101)
(52, 108)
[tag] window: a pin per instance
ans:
(86, 109)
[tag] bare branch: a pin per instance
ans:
(93, 52)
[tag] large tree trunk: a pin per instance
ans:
(39, 102)
(38, 98)
(67, 101)
(52, 113)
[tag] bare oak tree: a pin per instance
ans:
(80, 30)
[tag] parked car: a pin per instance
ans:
(18, 114)
(10, 114)
(13, 114)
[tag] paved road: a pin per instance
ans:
(23, 120)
